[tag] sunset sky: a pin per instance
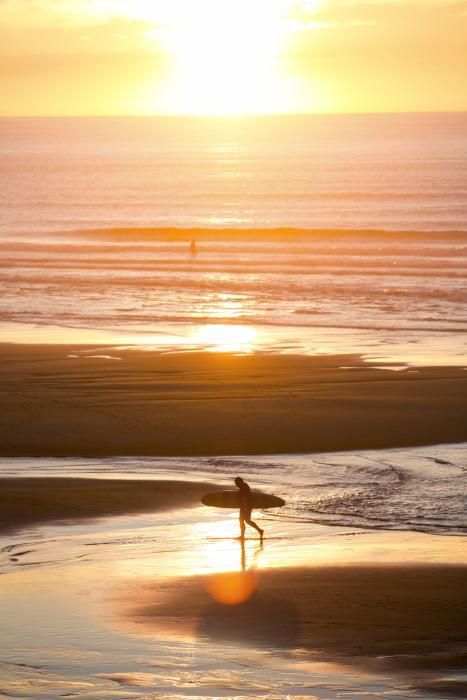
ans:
(80, 57)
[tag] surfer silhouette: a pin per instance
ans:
(245, 508)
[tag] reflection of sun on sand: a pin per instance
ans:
(226, 338)
(231, 587)
(349, 613)
(234, 587)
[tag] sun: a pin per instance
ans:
(224, 56)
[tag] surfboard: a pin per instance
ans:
(231, 499)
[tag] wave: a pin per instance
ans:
(378, 288)
(286, 233)
(221, 233)
(324, 246)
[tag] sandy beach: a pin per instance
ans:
(351, 613)
(68, 400)
(137, 603)
(330, 598)
(31, 501)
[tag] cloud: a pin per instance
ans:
(70, 26)
(45, 13)
(58, 13)
(387, 21)
(138, 25)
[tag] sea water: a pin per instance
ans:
(417, 489)
(400, 172)
(399, 293)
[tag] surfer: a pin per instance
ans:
(245, 508)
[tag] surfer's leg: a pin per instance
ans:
(242, 527)
(257, 528)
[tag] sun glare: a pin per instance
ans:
(231, 587)
(224, 56)
(224, 338)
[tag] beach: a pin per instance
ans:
(365, 614)
(69, 400)
(31, 501)
(117, 582)
(186, 300)
(117, 586)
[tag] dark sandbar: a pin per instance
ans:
(150, 403)
(31, 501)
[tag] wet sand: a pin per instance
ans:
(31, 501)
(415, 616)
(202, 403)
(126, 607)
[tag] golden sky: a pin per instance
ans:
(79, 57)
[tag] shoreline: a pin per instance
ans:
(55, 403)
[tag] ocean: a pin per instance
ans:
(392, 286)
(359, 172)
(320, 234)
(416, 489)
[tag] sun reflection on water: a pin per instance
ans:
(234, 578)
(226, 338)
(224, 306)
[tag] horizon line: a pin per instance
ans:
(229, 116)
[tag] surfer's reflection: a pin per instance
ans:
(254, 562)
(242, 545)
(240, 610)
(235, 587)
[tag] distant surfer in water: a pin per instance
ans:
(245, 508)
